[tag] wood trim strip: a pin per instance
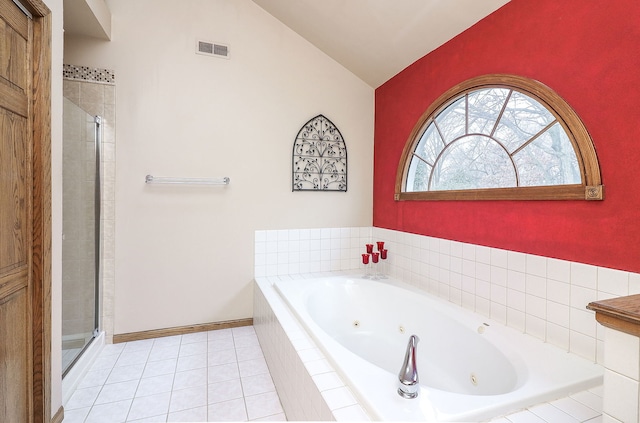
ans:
(59, 416)
(180, 330)
(36, 7)
(622, 313)
(618, 324)
(568, 118)
(562, 192)
(41, 229)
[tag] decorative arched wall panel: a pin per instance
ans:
(319, 157)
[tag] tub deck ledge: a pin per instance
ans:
(311, 389)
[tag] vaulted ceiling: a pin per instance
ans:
(376, 39)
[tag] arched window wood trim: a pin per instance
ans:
(590, 188)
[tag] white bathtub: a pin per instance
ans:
(470, 368)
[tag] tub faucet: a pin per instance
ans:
(408, 385)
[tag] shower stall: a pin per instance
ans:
(81, 207)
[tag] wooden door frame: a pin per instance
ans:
(41, 214)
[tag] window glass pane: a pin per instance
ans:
(418, 176)
(473, 162)
(430, 144)
(484, 109)
(523, 118)
(452, 120)
(494, 137)
(548, 160)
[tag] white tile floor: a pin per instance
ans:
(582, 407)
(201, 377)
(222, 376)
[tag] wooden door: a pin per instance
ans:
(24, 203)
(16, 352)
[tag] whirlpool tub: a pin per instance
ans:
(470, 368)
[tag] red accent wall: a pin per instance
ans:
(589, 53)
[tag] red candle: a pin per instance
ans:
(380, 245)
(365, 259)
(369, 248)
(383, 254)
(374, 256)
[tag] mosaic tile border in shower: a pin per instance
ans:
(85, 73)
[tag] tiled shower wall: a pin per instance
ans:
(78, 254)
(541, 296)
(93, 90)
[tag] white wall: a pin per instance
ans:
(184, 255)
(56, 192)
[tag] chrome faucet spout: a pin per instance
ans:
(408, 386)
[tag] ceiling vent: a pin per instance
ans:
(212, 49)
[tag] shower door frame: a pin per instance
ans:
(98, 228)
(97, 142)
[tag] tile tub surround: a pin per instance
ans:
(311, 389)
(543, 297)
(300, 251)
(308, 387)
(621, 320)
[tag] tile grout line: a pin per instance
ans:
(175, 372)
(139, 380)
(93, 404)
(208, 370)
(244, 397)
(147, 353)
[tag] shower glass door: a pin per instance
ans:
(81, 231)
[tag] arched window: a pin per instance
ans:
(499, 137)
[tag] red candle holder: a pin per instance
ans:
(380, 245)
(375, 257)
(365, 262)
(383, 257)
(369, 248)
